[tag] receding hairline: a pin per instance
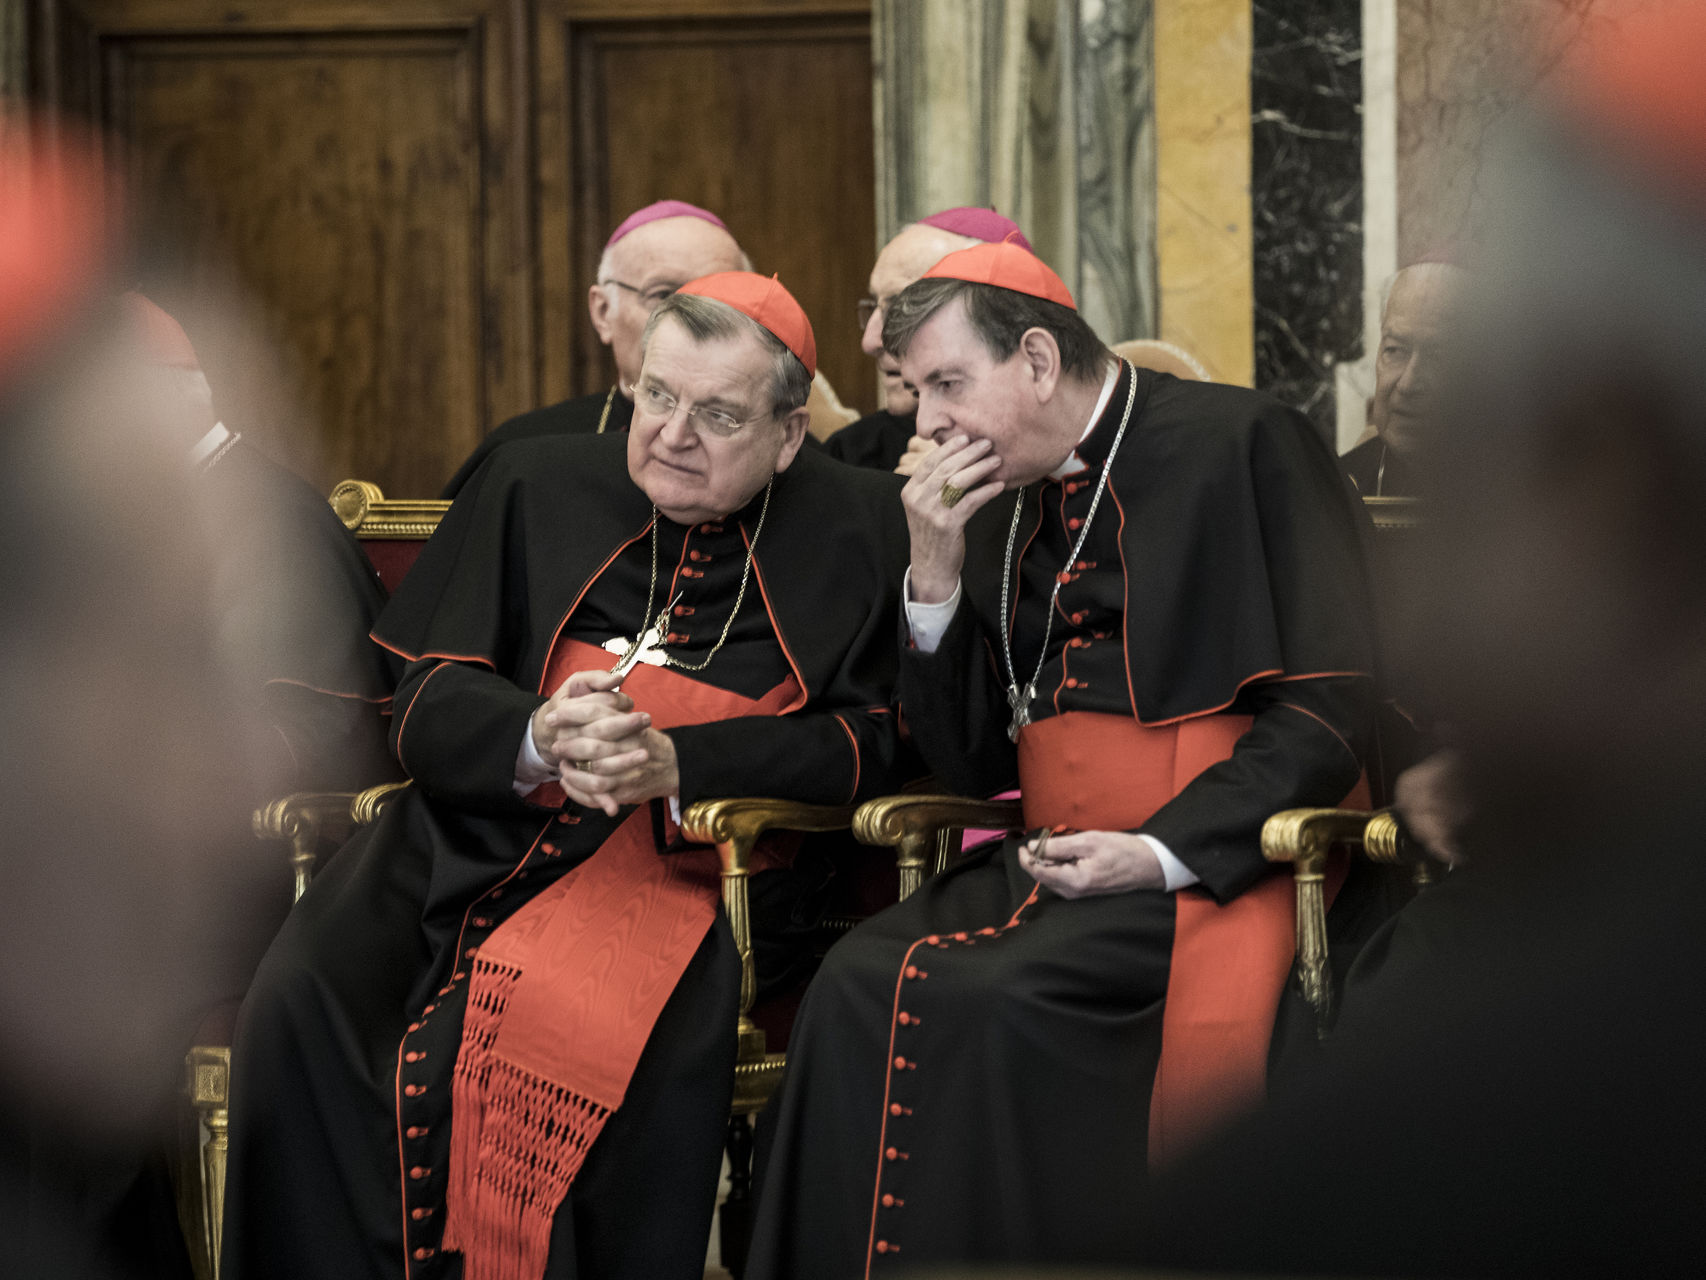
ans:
(608, 259)
(1458, 275)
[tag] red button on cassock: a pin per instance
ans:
(900, 1064)
(415, 1131)
(1073, 523)
(904, 1019)
(421, 1255)
(891, 1154)
(410, 1090)
(888, 1202)
(414, 1055)
(417, 1173)
(911, 971)
(895, 1108)
(419, 1215)
(882, 1246)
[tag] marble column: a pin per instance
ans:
(1306, 177)
(1202, 105)
(1040, 109)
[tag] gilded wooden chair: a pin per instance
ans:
(1306, 838)
(307, 823)
(734, 827)
(925, 829)
(391, 530)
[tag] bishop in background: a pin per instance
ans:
(497, 1036)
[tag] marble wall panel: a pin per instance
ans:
(1462, 67)
(1306, 196)
(1202, 185)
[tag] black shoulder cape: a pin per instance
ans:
(1243, 547)
(568, 417)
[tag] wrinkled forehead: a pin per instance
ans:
(727, 371)
(1424, 299)
(674, 251)
(945, 343)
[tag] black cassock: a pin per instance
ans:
(878, 440)
(601, 412)
(341, 1090)
(970, 1076)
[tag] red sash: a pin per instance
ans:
(1229, 964)
(564, 996)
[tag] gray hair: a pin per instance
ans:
(708, 320)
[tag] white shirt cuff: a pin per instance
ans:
(530, 767)
(1174, 874)
(928, 623)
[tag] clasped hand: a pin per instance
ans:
(1093, 862)
(606, 753)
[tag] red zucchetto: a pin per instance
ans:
(57, 233)
(1006, 266)
(765, 300)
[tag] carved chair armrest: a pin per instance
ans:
(365, 807)
(734, 826)
(1304, 838)
(304, 818)
(917, 826)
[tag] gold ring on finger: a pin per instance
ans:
(951, 493)
(585, 766)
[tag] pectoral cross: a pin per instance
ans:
(645, 647)
(1020, 701)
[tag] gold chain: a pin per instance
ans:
(605, 417)
(745, 573)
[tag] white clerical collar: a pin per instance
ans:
(211, 447)
(1074, 464)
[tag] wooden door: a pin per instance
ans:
(759, 110)
(413, 194)
(359, 170)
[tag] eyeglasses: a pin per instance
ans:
(651, 299)
(868, 307)
(653, 399)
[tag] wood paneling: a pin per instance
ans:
(413, 194)
(764, 117)
(355, 169)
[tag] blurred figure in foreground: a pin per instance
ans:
(125, 749)
(1525, 1101)
(1418, 334)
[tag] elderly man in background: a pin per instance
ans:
(652, 253)
(1164, 635)
(1522, 1097)
(502, 1024)
(1418, 334)
(886, 439)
